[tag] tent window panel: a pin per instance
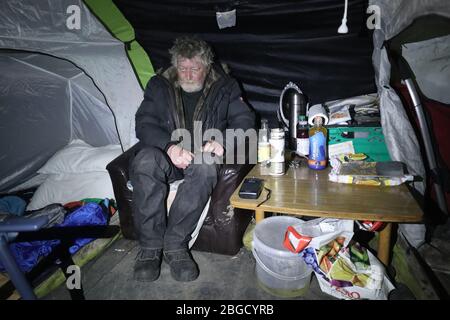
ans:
(35, 122)
(92, 121)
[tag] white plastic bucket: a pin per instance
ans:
(279, 271)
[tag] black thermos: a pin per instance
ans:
(297, 106)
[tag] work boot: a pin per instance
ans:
(182, 265)
(148, 265)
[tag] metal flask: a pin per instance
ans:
(292, 104)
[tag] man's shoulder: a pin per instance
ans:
(160, 79)
(169, 74)
(222, 71)
(225, 68)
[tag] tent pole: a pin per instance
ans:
(427, 141)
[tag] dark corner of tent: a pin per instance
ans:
(72, 77)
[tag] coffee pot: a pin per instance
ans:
(292, 104)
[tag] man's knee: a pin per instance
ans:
(147, 160)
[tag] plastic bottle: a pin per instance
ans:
(263, 142)
(317, 145)
(302, 136)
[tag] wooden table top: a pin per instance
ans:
(307, 192)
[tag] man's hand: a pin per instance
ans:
(180, 157)
(213, 147)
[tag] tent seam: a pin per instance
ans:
(93, 97)
(39, 68)
(71, 109)
(77, 75)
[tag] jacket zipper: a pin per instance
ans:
(172, 104)
(209, 98)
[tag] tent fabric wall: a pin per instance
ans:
(399, 134)
(92, 120)
(433, 79)
(115, 22)
(396, 15)
(41, 26)
(45, 103)
(273, 42)
(29, 140)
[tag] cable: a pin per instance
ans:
(343, 28)
(269, 192)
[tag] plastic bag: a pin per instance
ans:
(339, 114)
(353, 273)
(316, 233)
(344, 269)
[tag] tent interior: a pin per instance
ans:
(46, 103)
(59, 87)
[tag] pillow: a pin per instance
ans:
(78, 156)
(64, 188)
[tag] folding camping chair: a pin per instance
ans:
(38, 227)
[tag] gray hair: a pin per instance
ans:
(189, 47)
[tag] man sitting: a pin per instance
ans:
(192, 89)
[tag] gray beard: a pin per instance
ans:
(191, 87)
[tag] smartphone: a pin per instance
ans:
(251, 188)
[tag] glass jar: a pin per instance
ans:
(263, 142)
(277, 151)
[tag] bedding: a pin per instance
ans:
(75, 172)
(64, 188)
(80, 157)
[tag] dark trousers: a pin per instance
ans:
(151, 173)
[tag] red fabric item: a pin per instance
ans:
(373, 226)
(73, 204)
(439, 113)
(303, 241)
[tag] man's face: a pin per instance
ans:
(191, 74)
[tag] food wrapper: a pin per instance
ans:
(367, 173)
(351, 273)
(316, 233)
(370, 226)
(339, 114)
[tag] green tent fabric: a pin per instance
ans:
(113, 20)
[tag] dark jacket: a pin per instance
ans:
(161, 112)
